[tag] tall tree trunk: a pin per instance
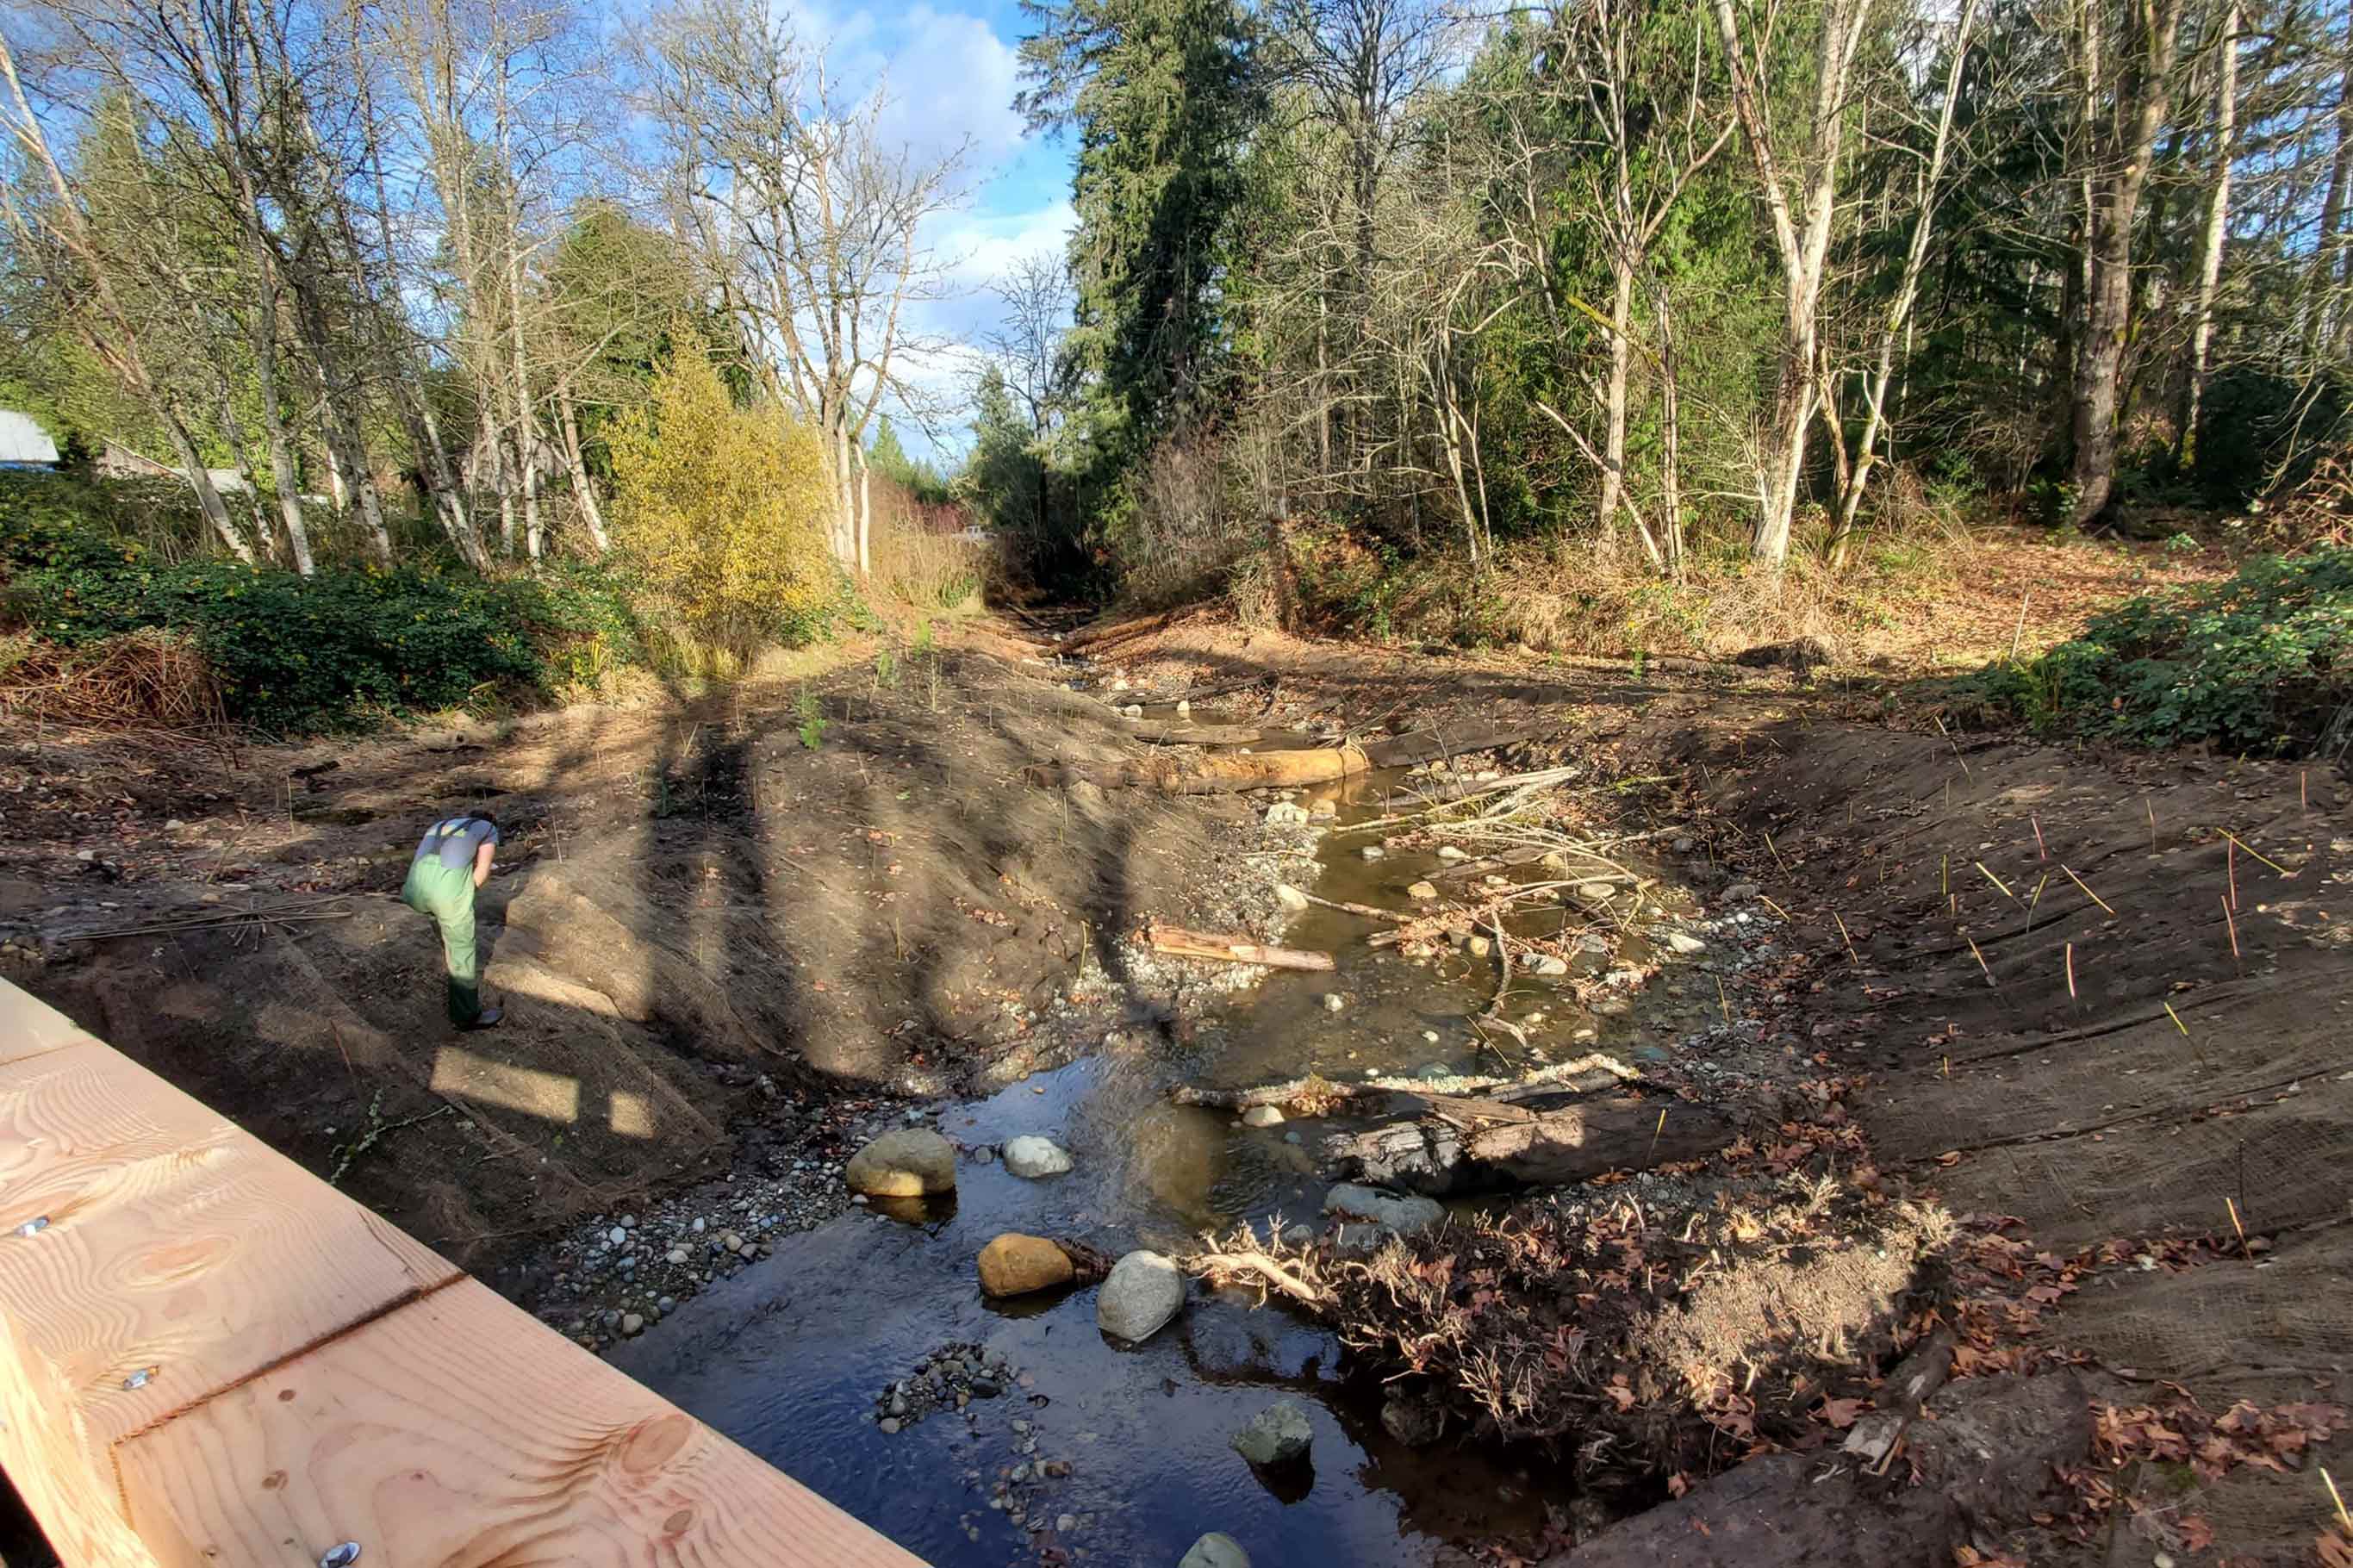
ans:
(2321, 305)
(282, 474)
(2143, 87)
(1614, 430)
(1801, 235)
(865, 514)
(200, 480)
(591, 514)
(2209, 253)
(1670, 494)
(1898, 322)
(232, 430)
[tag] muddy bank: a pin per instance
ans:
(709, 932)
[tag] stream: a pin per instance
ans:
(797, 1358)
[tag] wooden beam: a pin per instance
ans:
(29, 1026)
(209, 1356)
(175, 1244)
(459, 1432)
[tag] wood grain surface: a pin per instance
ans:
(208, 1356)
(458, 1432)
(29, 1026)
(177, 1245)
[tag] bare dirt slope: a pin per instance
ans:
(705, 927)
(2053, 993)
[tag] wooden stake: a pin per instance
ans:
(1957, 755)
(1944, 876)
(2240, 843)
(2338, 1498)
(2304, 800)
(1722, 1000)
(1776, 853)
(2175, 1017)
(1982, 963)
(2241, 1229)
(1997, 882)
(1847, 939)
(2071, 969)
(2087, 889)
(2231, 920)
(2020, 632)
(2152, 823)
(2040, 853)
(2230, 867)
(2039, 885)
(1662, 1127)
(1776, 908)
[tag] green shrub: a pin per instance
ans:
(295, 655)
(2259, 662)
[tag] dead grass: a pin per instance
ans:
(147, 679)
(918, 556)
(1942, 593)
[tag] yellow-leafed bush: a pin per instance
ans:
(723, 508)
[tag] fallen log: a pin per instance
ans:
(1178, 942)
(1184, 734)
(1457, 1148)
(1303, 1094)
(1877, 1436)
(1118, 631)
(1370, 912)
(1285, 769)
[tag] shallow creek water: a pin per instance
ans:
(789, 1358)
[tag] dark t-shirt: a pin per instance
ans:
(456, 840)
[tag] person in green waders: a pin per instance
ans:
(452, 859)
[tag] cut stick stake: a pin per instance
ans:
(1722, 1000)
(2240, 843)
(1981, 963)
(2338, 1498)
(1945, 875)
(2231, 920)
(1997, 882)
(2071, 969)
(2038, 899)
(2241, 1229)
(2041, 852)
(1846, 938)
(2230, 868)
(1957, 752)
(2087, 889)
(2152, 823)
(1662, 1127)
(2304, 801)
(2175, 1017)
(1776, 908)
(1776, 853)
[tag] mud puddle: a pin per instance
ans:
(1119, 1453)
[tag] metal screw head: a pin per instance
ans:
(342, 1556)
(34, 1225)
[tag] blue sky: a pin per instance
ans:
(951, 71)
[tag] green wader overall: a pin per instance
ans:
(447, 893)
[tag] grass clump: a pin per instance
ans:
(2260, 663)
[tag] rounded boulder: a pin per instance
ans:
(1015, 1265)
(908, 1163)
(1141, 1293)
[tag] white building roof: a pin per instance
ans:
(22, 441)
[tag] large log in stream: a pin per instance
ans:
(1469, 1145)
(1178, 942)
(1260, 769)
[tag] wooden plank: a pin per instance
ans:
(65, 1480)
(1178, 942)
(174, 1243)
(29, 1026)
(455, 1432)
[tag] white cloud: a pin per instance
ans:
(949, 79)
